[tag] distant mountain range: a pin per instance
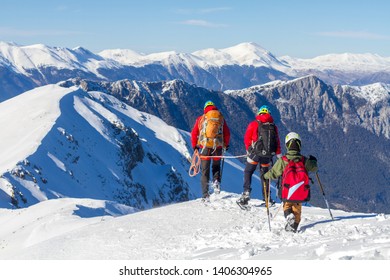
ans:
(25, 67)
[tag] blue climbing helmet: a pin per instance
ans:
(208, 103)
(264, 110)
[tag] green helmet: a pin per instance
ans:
(264, 110)
(208, 103)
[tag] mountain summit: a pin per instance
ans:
(249, 54)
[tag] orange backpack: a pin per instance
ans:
(211, 129)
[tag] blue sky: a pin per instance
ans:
(299, 28)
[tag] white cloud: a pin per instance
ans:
(203, 23)
(354, 34)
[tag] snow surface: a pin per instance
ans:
(39, 55)
(241, 54)
(25, 121)
(86, 229)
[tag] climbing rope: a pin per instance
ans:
(195, 164)
(205, 157)
(196, 160)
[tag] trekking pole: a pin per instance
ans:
(323, 194)
(267, 202)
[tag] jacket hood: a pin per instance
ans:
(210, 108)
(265, 118)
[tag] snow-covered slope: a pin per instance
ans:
(25, 58)
(250, 54)
(242, 54)
(372, 93)
(84, 229)
(341, 62)
(65, 142)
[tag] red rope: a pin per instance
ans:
(196, 160)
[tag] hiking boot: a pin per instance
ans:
(217, 187)
(271, 202)
(205, 199)
(291, 225)
(243, 200)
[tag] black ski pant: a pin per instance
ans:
(250, 168)
(206, 163)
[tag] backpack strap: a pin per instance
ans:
(261, 123)
(301, 159)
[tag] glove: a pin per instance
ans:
(279, 156)
(312, 158)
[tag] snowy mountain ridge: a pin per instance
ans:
(250, 54)
(24, 58)
(236, 67)
(343, 62)
(65, 142)
(373, 93)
